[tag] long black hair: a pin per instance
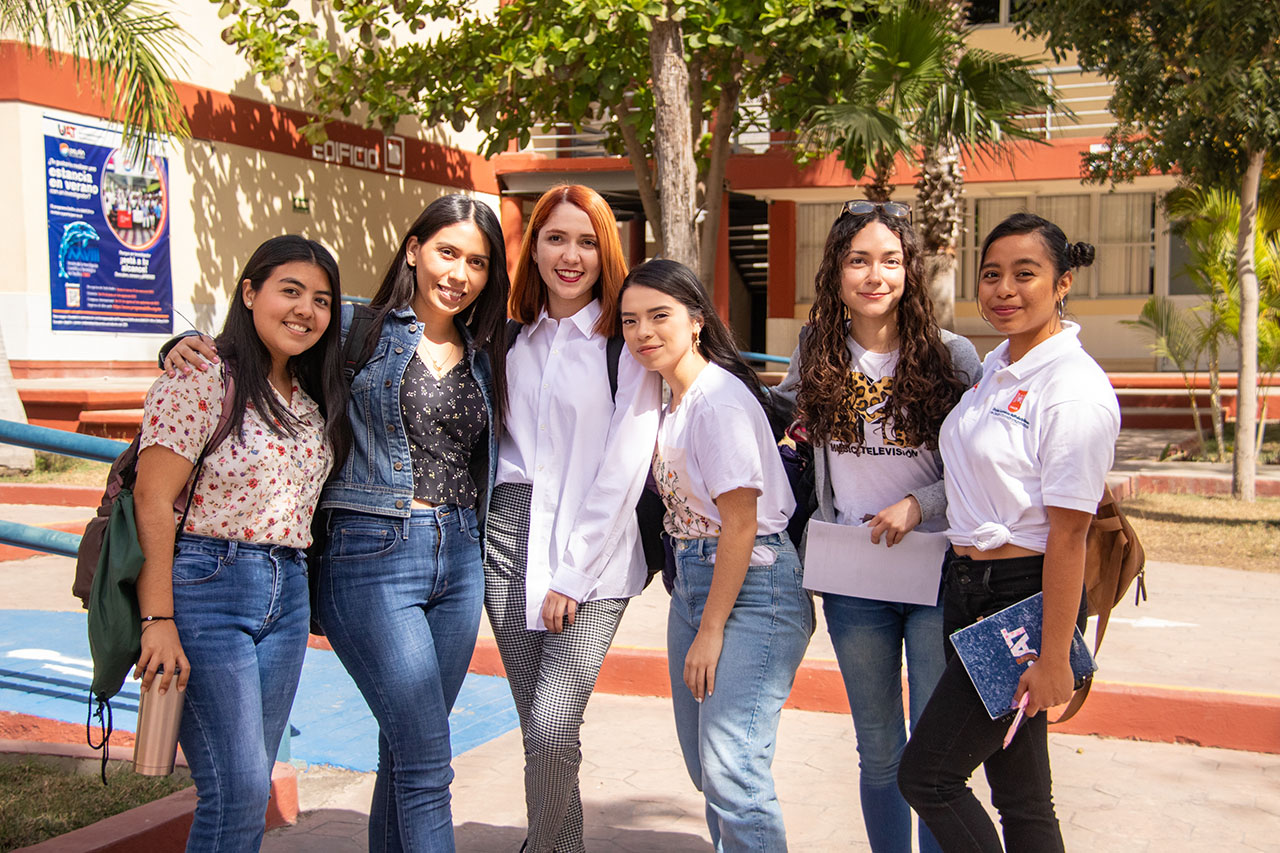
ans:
(318, 369)
(715, 342)
(486, 319)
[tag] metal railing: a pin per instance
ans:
(53, 441)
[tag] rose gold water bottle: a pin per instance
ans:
(156, 744)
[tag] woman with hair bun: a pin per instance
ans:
(1027, 451)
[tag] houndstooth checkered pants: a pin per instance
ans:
(551, 675)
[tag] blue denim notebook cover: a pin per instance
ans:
(997, 649)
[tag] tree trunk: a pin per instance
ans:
(12, 457)
(726, 110)
(1215, 406)
(881, 174)
(643, 174)
(941, 218)
(677, 173)
(1245, 460)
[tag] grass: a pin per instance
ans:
(1268, 451)
(39, 801)
(63, 470)
(1213, 531)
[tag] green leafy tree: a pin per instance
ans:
(1179, 336)
(922, 92)
(1197, 92)
(532, 63)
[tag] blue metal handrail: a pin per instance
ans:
(54, 441)
(765, 357)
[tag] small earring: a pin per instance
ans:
(697, 338)
(409, 262)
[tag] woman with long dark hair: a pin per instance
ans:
(401, 582)
(874, 377)
(225, 612)
(740, 620)
(563, 553)
(1027, 451)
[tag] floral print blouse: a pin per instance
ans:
(256, 487)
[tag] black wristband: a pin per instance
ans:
(157, 618)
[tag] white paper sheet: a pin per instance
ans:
(841, 558)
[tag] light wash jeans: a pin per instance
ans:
(400, 601)
(242, 615)
(729, 738)
(868, 637)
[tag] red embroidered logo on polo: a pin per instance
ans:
(1016, 402)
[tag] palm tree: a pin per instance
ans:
(925, 94)
(126, 49)
(1208, 219)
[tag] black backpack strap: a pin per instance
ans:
(513, 332)
(355, 349)
(612, 352)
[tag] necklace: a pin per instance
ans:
(438, 366)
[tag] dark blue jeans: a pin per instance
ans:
(400, 602)
(242, 615)
(955, 734)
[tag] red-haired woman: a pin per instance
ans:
(562, 549)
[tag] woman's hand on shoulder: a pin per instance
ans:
(895, 521)
(1049, 683)
(161, 648)
(557, 608)
(193, 351)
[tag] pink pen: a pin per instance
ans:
(1013, 729)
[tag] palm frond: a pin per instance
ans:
(858, 132)
(129, 50)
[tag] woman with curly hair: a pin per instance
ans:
(873, 378)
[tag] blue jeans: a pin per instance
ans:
(868, 637)
(728, 739)
(400, 601)
(242, 615)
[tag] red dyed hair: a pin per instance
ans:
(529, 292)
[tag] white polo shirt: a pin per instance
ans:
(1036, 433)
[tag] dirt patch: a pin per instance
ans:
(14, 726)
(1208, 530)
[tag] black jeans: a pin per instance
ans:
(955, 734)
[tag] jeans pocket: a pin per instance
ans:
(470, 527)
(362, 539)
(195, 566)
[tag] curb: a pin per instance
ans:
(51, 494)
(160, 826)
(1215, 718)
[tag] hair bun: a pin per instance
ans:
(1079, 255)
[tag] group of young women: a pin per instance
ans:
(478, 461)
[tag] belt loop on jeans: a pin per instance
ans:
(404, 528)
(232, 547)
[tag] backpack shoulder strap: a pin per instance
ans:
(513, 332)
(612, 353)
(223, 428)
(355, 349)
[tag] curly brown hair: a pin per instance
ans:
(925, 383)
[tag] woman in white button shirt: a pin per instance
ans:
(1027, 452)
(563, 553)
(874, 377)
(740, 620)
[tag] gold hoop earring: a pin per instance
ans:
(1062, 309)
(981, 314)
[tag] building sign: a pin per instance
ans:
(108, 232)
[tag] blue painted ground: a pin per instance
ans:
(45, 670)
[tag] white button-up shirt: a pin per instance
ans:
(585, 455)
(1035, 433)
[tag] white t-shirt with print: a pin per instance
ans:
(880, 472)
(717, 440)
(1035, 433)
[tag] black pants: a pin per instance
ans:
(955, 733)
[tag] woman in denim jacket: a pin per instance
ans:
(401, 582)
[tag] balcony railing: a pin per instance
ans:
(1084, 96)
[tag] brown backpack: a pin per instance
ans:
(1113, 560)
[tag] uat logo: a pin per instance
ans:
(1016, 402)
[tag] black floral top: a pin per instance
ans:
(444, 419)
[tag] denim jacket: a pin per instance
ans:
(378, 475)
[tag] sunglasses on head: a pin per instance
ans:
(861, 207)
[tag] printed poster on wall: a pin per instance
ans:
(108, 232)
